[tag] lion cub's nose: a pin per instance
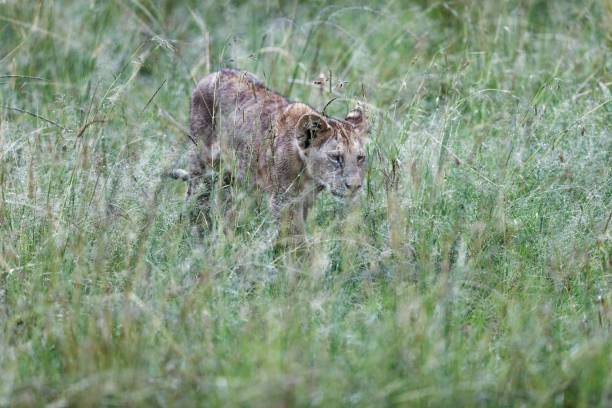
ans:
(353, 186)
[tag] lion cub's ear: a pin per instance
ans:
(309, 127)
(357, 118)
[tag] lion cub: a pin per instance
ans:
(245, 131)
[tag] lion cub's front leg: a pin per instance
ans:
(290, 220)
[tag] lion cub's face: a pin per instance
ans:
(334, 151)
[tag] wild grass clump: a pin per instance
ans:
(475, 269)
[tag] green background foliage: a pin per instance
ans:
(475, 269)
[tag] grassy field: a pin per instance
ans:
(475, 269)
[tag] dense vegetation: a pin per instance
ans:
(475, 269)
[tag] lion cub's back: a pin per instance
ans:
(232, 113)
(237, 101)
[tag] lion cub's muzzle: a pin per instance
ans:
(349, 189)
(353, 186)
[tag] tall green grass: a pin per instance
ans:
(475, 269)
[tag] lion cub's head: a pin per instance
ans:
(333, 150)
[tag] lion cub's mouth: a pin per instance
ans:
(345, 195)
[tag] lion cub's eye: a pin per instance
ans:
(336, 158)
(360, 158)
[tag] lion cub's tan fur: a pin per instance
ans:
(246, 131)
